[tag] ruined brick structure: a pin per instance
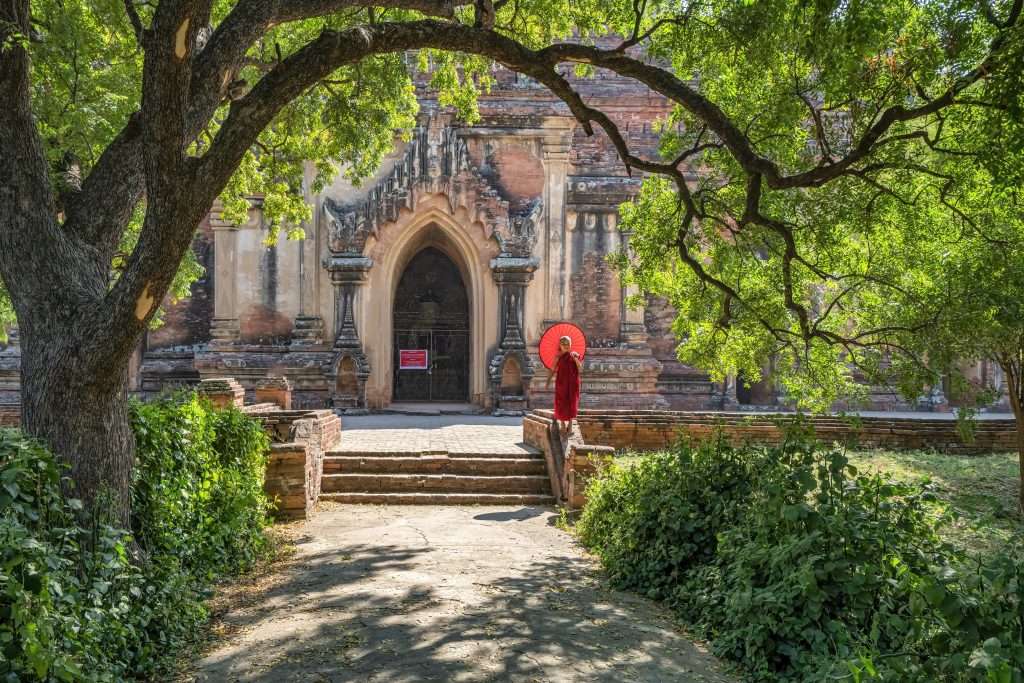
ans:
(466, 244)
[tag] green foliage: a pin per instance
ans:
(873, 257)
(74, 606)
(198, 492)
(657, 519)
(801, 568)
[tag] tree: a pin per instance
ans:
(152, 112)
(894, 266)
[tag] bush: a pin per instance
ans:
(653, 521)
(198, 490)
(73, 606)
(802, 569)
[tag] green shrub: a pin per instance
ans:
(653, 521)
(73, 606)
(802, 569)
(198, 491)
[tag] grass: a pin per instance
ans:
(979, 490)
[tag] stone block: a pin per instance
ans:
(222, 391)
(277, 390)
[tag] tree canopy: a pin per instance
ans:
(843, 235)
(822, 161)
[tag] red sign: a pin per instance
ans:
(412, 359)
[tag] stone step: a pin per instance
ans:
(433, 464)
(513, 455)
(433, 483)
(439, 498)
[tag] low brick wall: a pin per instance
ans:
(654, 430)
(581, 464)
(300, 440)
(539, 432)
(10, 414)
(570, 460)
(289, 471)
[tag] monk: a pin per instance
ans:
(566, 371)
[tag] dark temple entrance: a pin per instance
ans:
(431, 323)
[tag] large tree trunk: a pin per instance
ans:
(74, 360)
(83, 418)
(1012, 370)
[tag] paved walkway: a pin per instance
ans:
(416, 434)
(402, 594)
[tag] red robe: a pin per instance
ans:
(567, 387)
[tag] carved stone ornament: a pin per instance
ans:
(346, 233)
(436, 161)
(521, 238)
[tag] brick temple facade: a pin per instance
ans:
(464, 246)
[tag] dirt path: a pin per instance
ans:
(410, 594)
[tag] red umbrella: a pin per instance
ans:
(549, 342)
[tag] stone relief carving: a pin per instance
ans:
(346, 234)
(521, 238)
(436, 161)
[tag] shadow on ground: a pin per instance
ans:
(430, 604)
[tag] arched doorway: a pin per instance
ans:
(431, 331)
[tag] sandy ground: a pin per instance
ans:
(445, 594)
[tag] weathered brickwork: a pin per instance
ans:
(296, 466)
(276, 390)
(222, 392)
(596, 300)
(655, 430)
(10, 414)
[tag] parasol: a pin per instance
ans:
(549, 342)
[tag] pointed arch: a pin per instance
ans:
(463, 240)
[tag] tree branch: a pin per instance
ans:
(136, 20)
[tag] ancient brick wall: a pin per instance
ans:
(187, 321)
(684, 387)
(644, 430)
(288, 482)
(10, 414)
(596, 300)
(512, 167)
(296, 466)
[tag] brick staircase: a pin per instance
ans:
(436, 478)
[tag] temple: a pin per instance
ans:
(434, 279)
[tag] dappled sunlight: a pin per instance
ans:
(475, 604)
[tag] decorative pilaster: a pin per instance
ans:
(511, 369)
(309, 326)
(347, 274)
(729, 398)
(556, 162)
(632, 331)
(224, 328)
(351, 368)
